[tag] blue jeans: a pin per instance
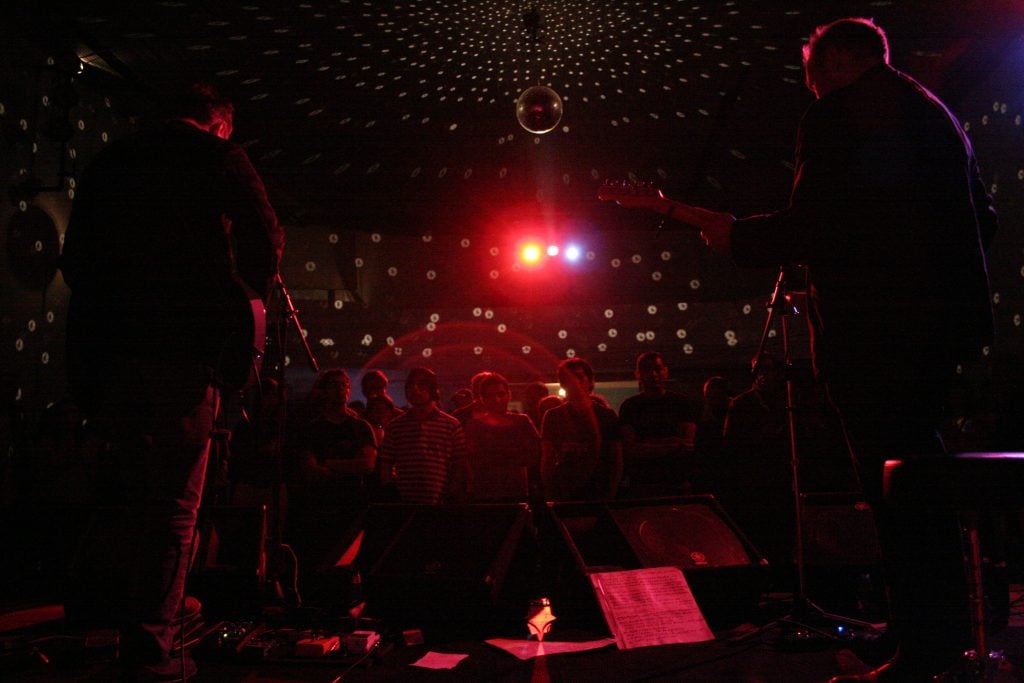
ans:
(155, 417)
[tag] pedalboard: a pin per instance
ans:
(246, 641)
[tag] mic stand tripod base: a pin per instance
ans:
(809, 627)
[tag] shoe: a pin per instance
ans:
(894, 671)
(170, 669)
(880, 675)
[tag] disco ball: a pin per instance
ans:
(539, 109)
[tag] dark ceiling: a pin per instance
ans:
(401, 116)
(386, 134)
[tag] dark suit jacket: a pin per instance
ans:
(890, 217)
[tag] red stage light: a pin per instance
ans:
(530, 253)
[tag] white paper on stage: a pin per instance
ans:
(528, 649)
(650, 607)
(439, 660)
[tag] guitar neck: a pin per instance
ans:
(647, 196)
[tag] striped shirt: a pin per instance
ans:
(424, 454)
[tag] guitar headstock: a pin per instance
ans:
(630, 193)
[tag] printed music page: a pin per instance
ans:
(650, 607)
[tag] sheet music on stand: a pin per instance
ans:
(652, 606)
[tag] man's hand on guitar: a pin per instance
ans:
(715, 226)
(716, 230)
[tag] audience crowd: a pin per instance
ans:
(317, 460)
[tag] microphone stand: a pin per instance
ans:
(284, 561)
(804, 611)
(292, 314)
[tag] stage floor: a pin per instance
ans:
(773, 652)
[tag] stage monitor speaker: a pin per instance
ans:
(725, 572)
(428, 564)
(839, 529)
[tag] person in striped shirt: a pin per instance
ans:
(424, 449)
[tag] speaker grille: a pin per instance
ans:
(686, 536)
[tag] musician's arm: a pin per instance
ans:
(258, 237)
(715, 226)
